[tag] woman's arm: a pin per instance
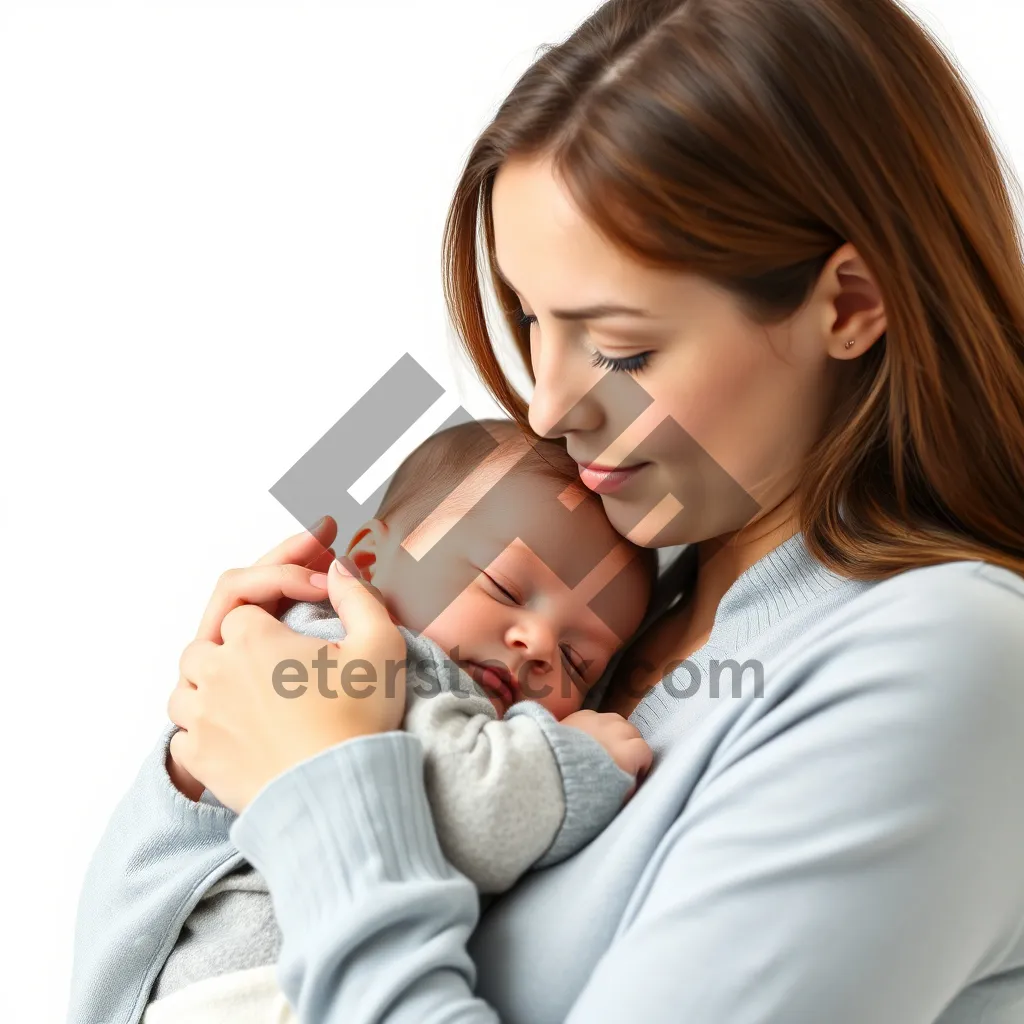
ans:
(158, 848)
(162, 846)
(852, 854)
(856, 854)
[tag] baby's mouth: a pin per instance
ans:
(493, 680)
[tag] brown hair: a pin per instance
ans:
(434, 469)
(745, 141)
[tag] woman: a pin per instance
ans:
(786, 223)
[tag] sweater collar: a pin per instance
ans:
(788, 577)
(774, 586)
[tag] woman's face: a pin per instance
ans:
(717, 412)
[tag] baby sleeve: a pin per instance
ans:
(510, 794)
(506, 794)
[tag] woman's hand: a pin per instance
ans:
(266, 697)
(294, 570)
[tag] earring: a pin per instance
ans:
(851, 343)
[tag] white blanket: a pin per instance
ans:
(251, 996)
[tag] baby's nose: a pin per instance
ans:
(537, 645)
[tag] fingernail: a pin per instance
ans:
(318, 579)
(346, 566)
(316, 526)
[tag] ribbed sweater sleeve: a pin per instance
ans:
(157, 853)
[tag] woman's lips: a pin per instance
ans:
(491, 681)
(606, 479)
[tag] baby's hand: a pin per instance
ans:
(626, 747)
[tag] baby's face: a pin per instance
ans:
(501, 611)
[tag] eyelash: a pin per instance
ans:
(627, 364)
(512, 597)
(524, 319)
(515, 600)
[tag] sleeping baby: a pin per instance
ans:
(513, 592)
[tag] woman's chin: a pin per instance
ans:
(643, 521)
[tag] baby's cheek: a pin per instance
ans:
(458, 612)
(443, 629)
(565, 698)
(430, 599)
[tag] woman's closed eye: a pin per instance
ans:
(524, 320)
(627, 364)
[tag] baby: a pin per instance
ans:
(513, 592)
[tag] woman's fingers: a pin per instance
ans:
(238, 621)
(182, 708)
(190, 665)
(240, 732)
(276, 580)
(304, 546)
(359, 604)
(181, 751)
(263, 585)
(178, 708)
(322, 561)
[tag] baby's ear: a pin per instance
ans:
(367, 546)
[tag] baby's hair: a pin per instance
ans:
(432, 471)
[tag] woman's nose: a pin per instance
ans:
(561, 402)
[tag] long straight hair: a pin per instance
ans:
(746, 140)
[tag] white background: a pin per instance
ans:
(220, 223)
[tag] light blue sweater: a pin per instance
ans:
(840, 842)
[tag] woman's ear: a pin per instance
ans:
(367, 546)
